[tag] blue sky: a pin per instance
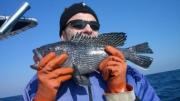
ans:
(154, 21)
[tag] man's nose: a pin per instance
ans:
(87, 30)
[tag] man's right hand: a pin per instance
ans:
(51, 76)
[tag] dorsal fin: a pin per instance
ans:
(113, 39)
(79, 37)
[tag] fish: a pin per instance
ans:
(86, 52)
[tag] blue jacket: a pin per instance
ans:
(69, 91)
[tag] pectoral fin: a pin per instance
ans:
(78, 78)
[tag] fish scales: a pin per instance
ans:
(85, 53)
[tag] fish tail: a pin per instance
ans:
(140, 60)
(132, 54)
(141, 48)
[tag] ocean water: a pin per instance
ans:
(12, 98)
(166, 84)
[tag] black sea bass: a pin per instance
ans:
(85, 53)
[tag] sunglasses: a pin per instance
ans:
(80, 24)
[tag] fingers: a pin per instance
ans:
(61, 72)
(50, 61)
(113, 51)
(105, 73)
(46, 59)
(64, 78)
(110, 71)
(106, 60)
(109, 66)
(112, 66)
(53, 64)
(56, 83)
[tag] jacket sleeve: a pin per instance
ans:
(30, 89)
(142, 88)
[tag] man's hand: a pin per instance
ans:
(113, 69)
(51, 76)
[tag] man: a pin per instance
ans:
(117, 82)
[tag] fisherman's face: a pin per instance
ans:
(77, 24)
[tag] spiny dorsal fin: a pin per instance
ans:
(113, 39)
(80, 37)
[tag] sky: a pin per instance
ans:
(154, 21)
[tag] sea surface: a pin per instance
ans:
(166, 84)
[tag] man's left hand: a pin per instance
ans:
(113, 69)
